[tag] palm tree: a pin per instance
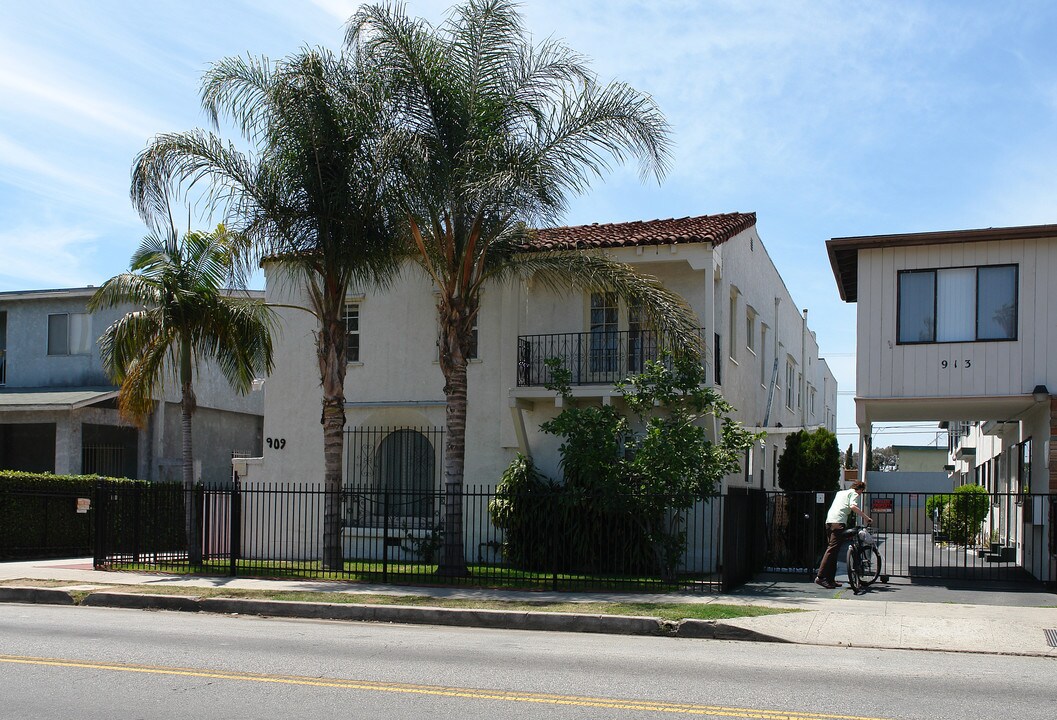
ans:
(500, 133)
(187, 318)
(313, 192)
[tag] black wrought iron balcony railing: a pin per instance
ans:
(593, 358)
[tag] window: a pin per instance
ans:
(352, 332)
(958, 304)
(69, 334)
(748, 465)
(604, 321)
(717, 353)
(750, 329)
(799, 390)
(765, 374)
(811, 400)
(404, 468)
(790, 383)
(733, 318)
(642, 340)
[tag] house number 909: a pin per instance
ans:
(967, 363)
(276, 443)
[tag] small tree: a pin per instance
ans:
(625, 474)
(964, 513)
(810, 461)
(849, 458)
(185, 319)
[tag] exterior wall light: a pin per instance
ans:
(1040, 393)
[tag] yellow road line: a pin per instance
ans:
(436, 690)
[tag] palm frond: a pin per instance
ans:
(125, 288)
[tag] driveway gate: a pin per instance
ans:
(1000, 537)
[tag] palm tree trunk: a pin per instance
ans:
(187, 408)
(331, 352)
(453, 559)
(333, 429)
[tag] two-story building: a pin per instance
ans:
(959, 327)
(760, 353)
(58, 408)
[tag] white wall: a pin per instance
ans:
(889, 370)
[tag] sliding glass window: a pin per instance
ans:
(958, 304)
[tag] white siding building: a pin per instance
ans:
(959, 327)
(761, 354)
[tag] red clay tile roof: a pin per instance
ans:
(715, 229)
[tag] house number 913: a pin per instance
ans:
(966, 363)
(276, 443)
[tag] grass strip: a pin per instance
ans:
(665, 611)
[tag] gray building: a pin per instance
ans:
(58, 408)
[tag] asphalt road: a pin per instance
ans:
(89, 663)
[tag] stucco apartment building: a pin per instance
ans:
(58, 408)
(760, 353)
(959, 327)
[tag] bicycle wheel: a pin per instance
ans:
(854, 570)
(869, 566)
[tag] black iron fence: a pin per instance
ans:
(396, 536)
(593, 358)
(1007, 537)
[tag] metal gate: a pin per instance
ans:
(959, 536)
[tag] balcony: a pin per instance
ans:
(593, 358)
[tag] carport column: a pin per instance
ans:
(68, 444)
(865, 439)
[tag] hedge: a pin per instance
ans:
(38, 513)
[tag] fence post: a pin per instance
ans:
(385, 536)
(99, 502)
(235, 541)
(137, 503)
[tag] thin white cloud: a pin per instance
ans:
(48, 96)
(45, 256)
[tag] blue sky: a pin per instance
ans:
(825, 118)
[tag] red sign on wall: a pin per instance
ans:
(881, 505)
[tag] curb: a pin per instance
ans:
(451, 617)
(36, 595)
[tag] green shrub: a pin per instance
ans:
(625, 484)
(964, 513)
(527, 508)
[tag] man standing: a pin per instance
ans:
(846, 502)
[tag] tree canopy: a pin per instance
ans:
(810, 461)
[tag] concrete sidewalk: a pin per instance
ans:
(898, 615)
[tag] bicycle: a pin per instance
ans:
(864, 560)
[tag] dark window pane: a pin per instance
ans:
(996, 303)
(917, 297)
(58, 335)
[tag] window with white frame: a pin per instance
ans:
(604, 331)
(750, 329)
(799, 390)
(351, 316)
(69, 334)
(765, 369)
(790, 383)
(733, 318)
(964, 304)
